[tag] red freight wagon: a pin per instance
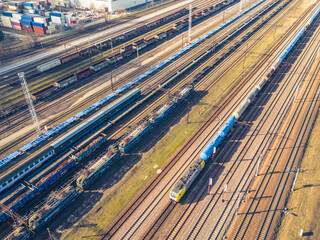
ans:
(84, 73)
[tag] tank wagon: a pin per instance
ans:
(54, 204)
(186, 180)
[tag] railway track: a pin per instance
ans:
(100, 27)
(110, 231)
(282, 161)
(44, 109)
(216, 233)
(69, 68)
(89, 99)
(157, 224)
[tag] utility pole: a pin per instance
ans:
(190, 19)
(29, 102)
(5, 115)
(18, 220)
(111, 81)
(210, 185)
(295, 179)
(188, 112)
(240, 8)
(259, 162)
(51, 237)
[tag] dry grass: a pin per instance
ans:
(304, 202)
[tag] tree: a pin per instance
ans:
(121, 11)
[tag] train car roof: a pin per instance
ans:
(24, 161)
(91, 120)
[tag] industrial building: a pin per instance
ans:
(111, 5)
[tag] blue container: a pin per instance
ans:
(27, 18)
(37, 24)
(27, 4)
(25, 22)
(56, 14)
(7, 14)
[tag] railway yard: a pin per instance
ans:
(172, 125)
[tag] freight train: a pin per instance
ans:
(144, 126)
(124, 51)
(189, 177)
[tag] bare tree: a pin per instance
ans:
(121, 11)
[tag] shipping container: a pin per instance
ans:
(84, 73)
(70, 57)
(27, 29)
(48, 65)
(15, 20)
(8, 13)
(6, 21)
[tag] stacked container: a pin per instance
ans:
(6, 19)
(26, 25)
(16, 23)
(39, 28)
(57, 17)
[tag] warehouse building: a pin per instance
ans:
(111, 5)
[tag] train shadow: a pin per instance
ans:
(200, 188)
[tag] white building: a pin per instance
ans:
(112, 5)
